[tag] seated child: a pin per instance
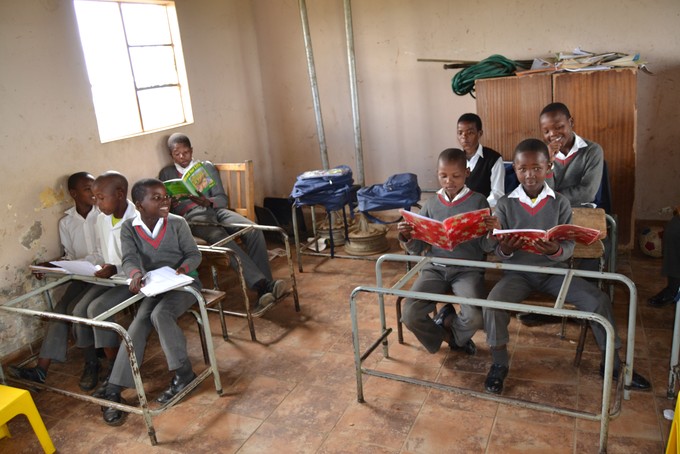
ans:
(534, 205)
(577, 162)
(153, 239)
(456, 329)
(211, 207)
(487, 172)
(671, 262)
(79, 242)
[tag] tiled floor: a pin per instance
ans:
(295, 389)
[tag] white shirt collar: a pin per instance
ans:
(181, 169)
(578, 144)
(519, 193)
(472, 162)
(458, 196)
(156, 230)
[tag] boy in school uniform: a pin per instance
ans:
(79, 241)
(487, 172)
(457, 330)
(153, 239)
(576, 173)
(110, 191)
(211, 207)
(577, 162)
(535, 205)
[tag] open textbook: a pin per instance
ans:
(80, 267)
(561, 232)
(450, 232)
(195, 180)
(162, 280)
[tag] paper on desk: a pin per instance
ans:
(81, 267)
(162, 280)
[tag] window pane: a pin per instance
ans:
(161, 107)
(117, 112)
(146, 24)
(153, 66)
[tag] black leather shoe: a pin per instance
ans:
(469, 347)
(90, 376)
(529, 319)
(495, 377)
(176, 386)
(445, 312)
(112, 416)
(663, 298)
(637, 382)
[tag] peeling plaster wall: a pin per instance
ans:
(49, 130)
(251, 98)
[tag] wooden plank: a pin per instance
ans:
(509, 108)
(603, 105)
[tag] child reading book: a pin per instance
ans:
(194, 181)
(152, 240)
(454, 198)
(449, 233)
(534, 205)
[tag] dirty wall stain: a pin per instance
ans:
(49, 197)
(33, 234)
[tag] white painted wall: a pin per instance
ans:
(251, 97)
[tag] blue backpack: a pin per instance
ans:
(399, 191)
(330, 188)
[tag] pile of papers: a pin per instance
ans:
(580, 60)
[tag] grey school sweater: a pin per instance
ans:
(438, 208)
(578, 178)
(173, 246)
(513, 214)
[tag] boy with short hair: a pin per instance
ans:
(457, 330)
(110, 191)
(211, 207)
(535, 205)
(577, 162)
(154, 239)
(487, 172)
(79, 241)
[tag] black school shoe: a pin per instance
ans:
(176, 386)
(494, 379)
(90, 377)
(113, 416)
(35, 374)
(638, 381)
(663, 298)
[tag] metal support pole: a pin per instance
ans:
(351, 63)
(315, 88)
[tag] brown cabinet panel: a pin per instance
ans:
(509, 108)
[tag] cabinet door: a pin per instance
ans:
(509, 108)
(603, 105)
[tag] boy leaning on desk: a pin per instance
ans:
(79, 240)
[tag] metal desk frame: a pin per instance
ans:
(99, 322)
(604, 416)
(218, 248)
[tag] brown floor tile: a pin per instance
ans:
(516, 436)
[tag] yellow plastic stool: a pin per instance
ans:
(672, 446)
(14, 401)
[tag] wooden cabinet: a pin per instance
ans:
(603, 105)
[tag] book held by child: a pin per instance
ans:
(450, 232)
(562, 232)
(195, 180)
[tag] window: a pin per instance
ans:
(135, 65)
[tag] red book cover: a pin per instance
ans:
(562, 232)
(450, 232)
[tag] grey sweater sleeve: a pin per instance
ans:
(132, 263)
(187, 244)
(584, 190)
(216, 194)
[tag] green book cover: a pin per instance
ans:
(195, 181)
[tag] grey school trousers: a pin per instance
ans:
(255, 262)
(103, 338)
(464, 282)
(75, 301)
(159, 312)
(515, 287)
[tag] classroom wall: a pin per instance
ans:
(251, 98)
